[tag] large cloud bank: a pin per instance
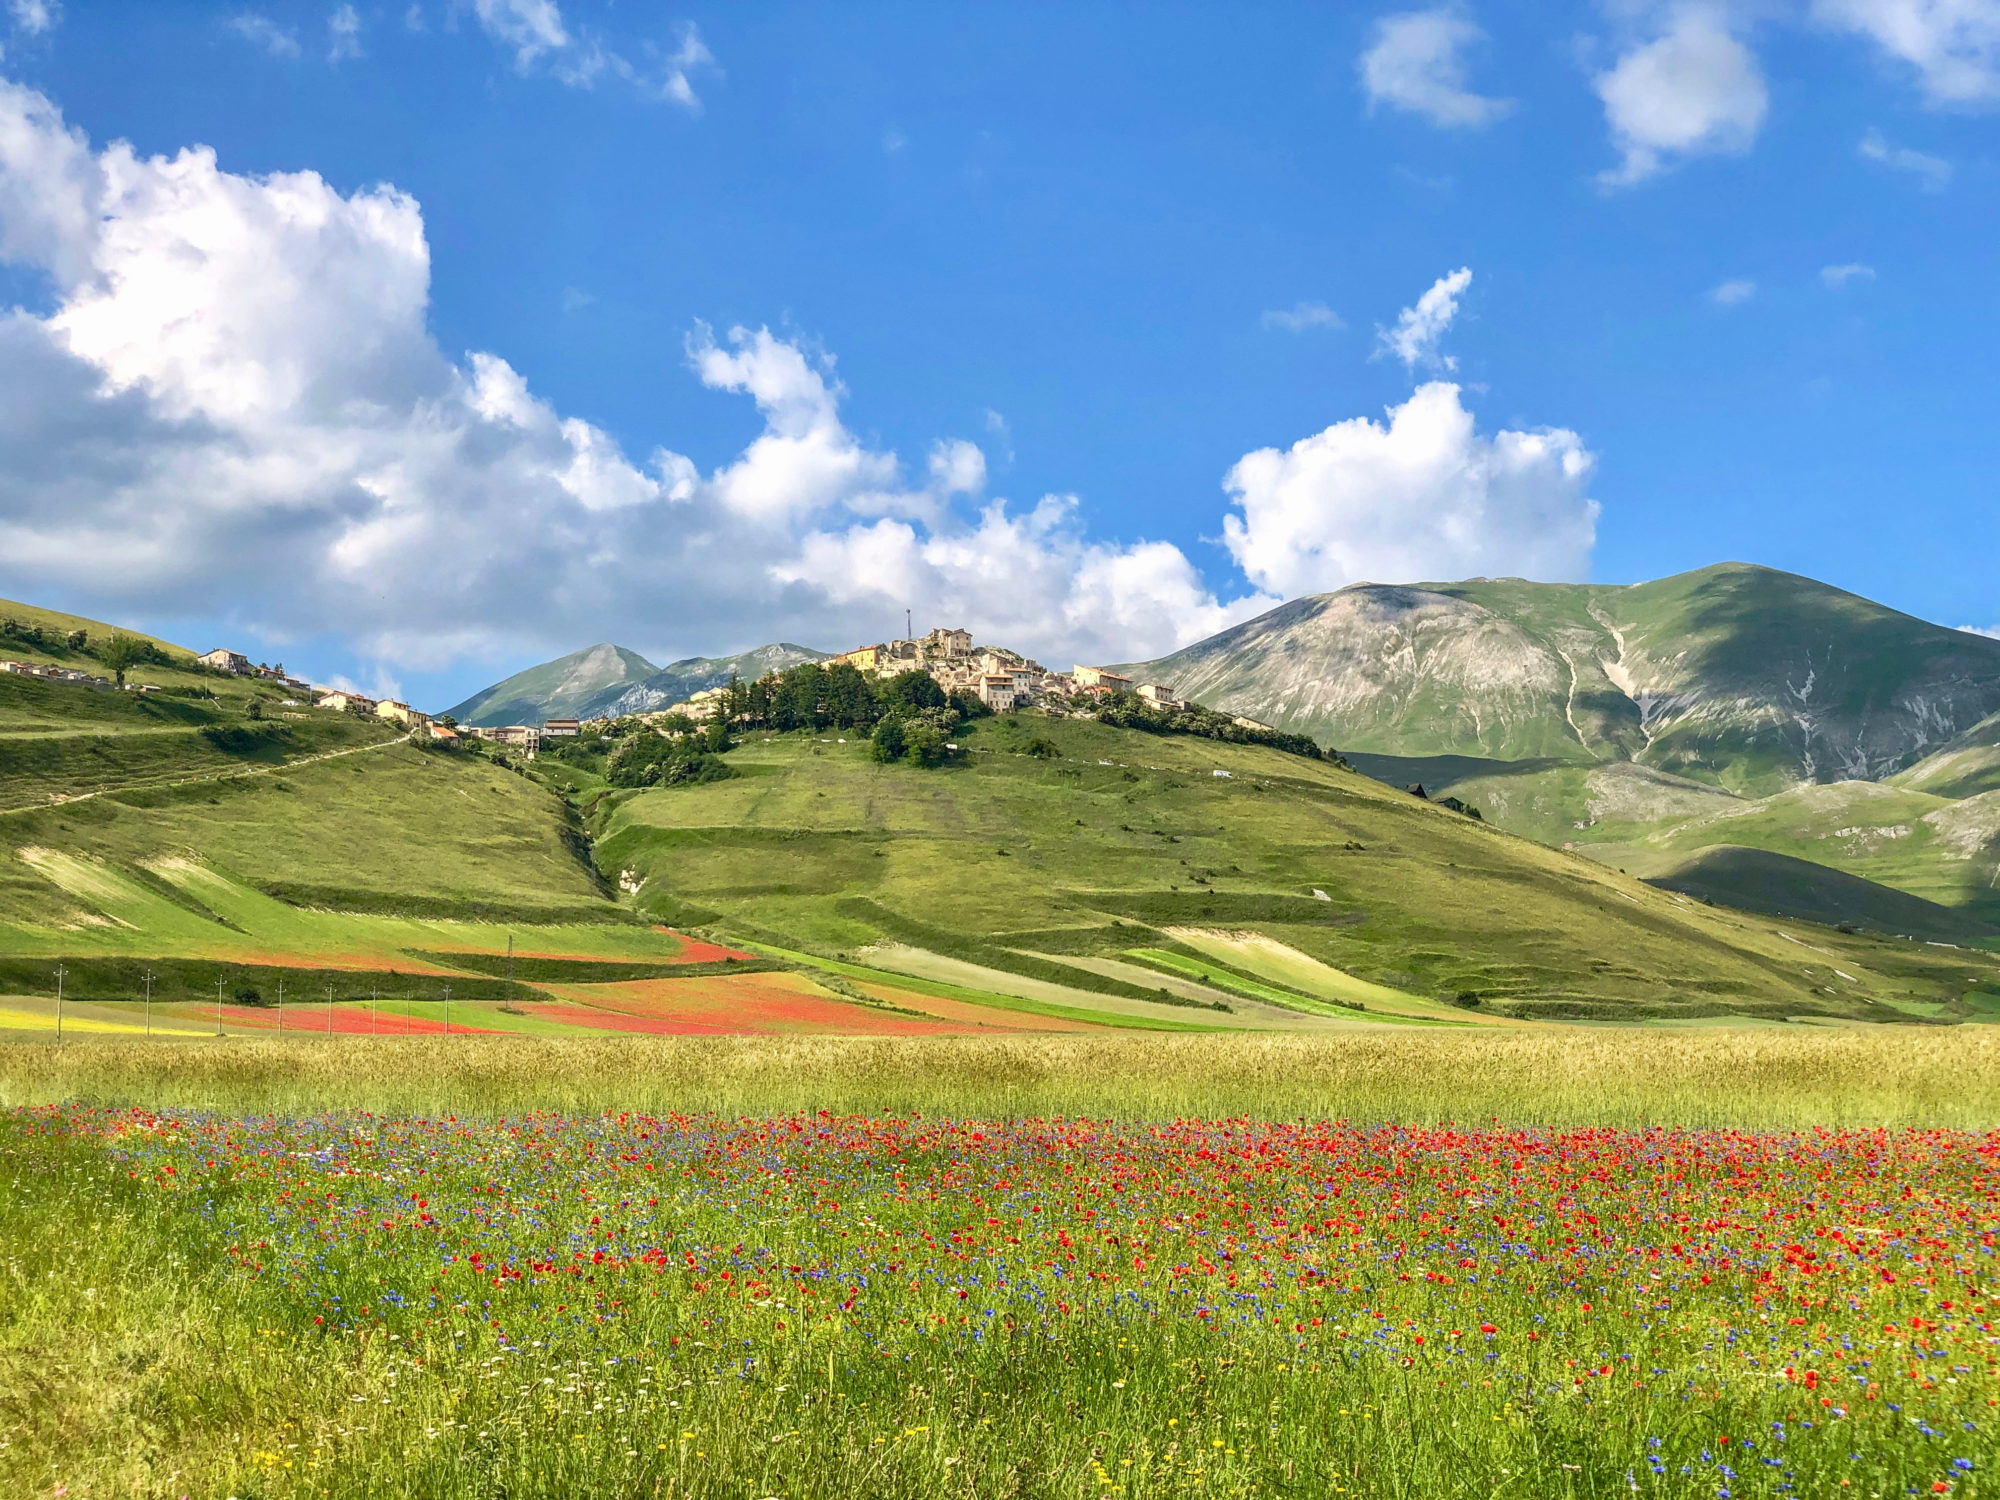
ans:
(234, 409)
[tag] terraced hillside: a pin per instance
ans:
(1126, 856)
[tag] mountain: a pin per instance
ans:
(565, 688)
(1742, 677)
(674, 683)
(1967, 767)
(606, 681)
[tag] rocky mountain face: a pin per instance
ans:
(608, 681)
(1738, 676)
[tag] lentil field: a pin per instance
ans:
(207, 1296)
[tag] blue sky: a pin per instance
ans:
(680, 327)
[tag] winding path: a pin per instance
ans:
(232, 773)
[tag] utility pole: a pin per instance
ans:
(447, 1010)
(373, 991)
(149, 1002)
(281, 1005)
(329, 1010)
(218, 1004)
(60, 972)
(507, 1004)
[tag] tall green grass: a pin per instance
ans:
(1737, 1077)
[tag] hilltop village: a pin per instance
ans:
(1001, 679)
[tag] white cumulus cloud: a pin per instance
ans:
(1423, 495)
(236, 404)
(1694, 91)
(1836, 278)
(1953, 45)
(1415, 338)
(1416, 63)
(1992, 632)
(1732, 293)
(1934, 173)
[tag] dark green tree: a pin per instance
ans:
(886, 743)
(123, 652)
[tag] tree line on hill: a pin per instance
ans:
(1130, 711)
(118, 655)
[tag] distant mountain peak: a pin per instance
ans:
(559, 689)
(607, 680)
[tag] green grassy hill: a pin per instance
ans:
(1082, 870)
(1115, 878)
(1967, 767)
(1758, 880)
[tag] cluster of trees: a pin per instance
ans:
(631, 753)
(922, 737)
(119, 654)
(840, 697)
(1130, 711)
(908, 716)
(43, 638)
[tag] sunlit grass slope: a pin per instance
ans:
(1026, 864)
(60, 741)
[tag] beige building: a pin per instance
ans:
(346, 703)
(401, 713)
(233, 662)
(996, 691)
(561, 729)
(1160, 697)
(947, 643)
(862, 658)
(1101, 678)
(524, 737)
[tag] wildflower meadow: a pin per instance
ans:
(206, 1302)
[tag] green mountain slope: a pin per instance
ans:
(1743, 677)
(1123, 847)
(1966, 767)
(1758, 880)
(674, 683)
(567, 688)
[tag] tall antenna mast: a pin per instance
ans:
(909, 630)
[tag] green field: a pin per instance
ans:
(1546, 1261)
(1031, 866)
